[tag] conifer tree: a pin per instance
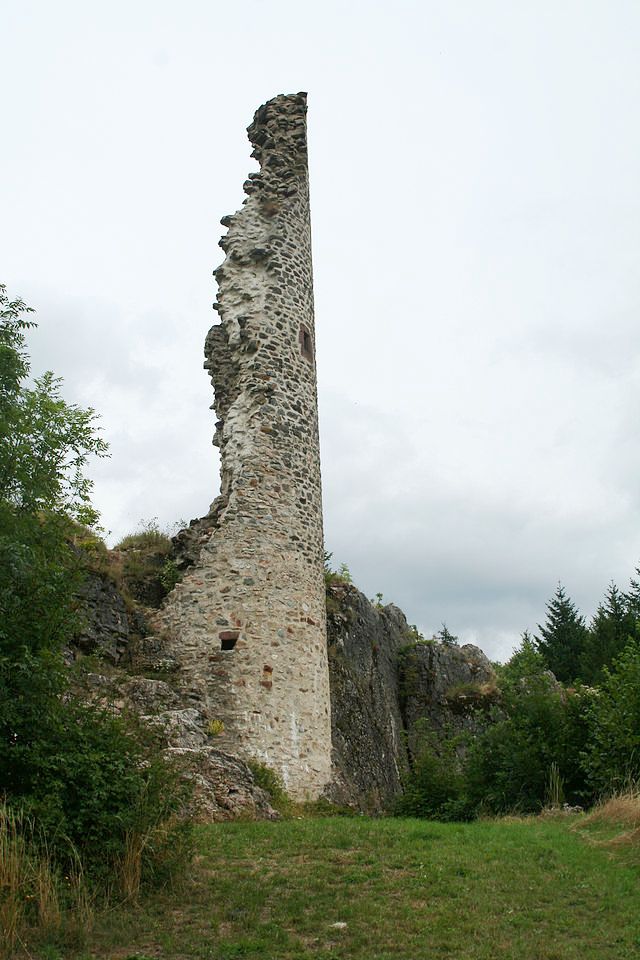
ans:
(632, 596)
(614, 625)
(563, 637)
(526, 661)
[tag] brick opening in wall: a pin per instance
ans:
(306, 343)
(228, 639)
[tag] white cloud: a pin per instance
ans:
(476, 246)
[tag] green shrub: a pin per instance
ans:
(91, 781)
(508, 766)
(471, 697)
(270, 782)
(341, 575)
(436, 786)
(147, 570)
(611, 757)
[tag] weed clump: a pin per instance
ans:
(147, 570)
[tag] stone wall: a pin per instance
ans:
(247, 622)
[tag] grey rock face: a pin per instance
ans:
(385, 688)
(106, 623)
(145, 695)
(447, 687)
(224, 788)
(183, 728)
(369, 752)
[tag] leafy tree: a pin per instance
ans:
(509, 764)
(46, 442)
(614, 624)
(44, 445)
(80, 771)
(611, 756)
(563, 637)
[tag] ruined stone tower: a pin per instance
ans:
(248, 619)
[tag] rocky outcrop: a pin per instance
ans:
(223, 786)
(106, 627)
(445, 688)
(387, 687)
(369, 753)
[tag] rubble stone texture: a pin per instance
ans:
(247, 623)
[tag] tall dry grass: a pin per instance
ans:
(620, 812)
(130, 866)
(35, 899)
(620, 809)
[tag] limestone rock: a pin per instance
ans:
(146, 695)
(224, 788)
(184, 729)
(447, 686)
(369, 753)
(149, 654)
(106, 628)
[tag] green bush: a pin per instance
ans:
(535, 731)
(436, 786)
(270, 782)
(611, 757)
(147, 570)
(90, 783)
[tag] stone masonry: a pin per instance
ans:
(247, 623)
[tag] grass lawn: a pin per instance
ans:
(386, 890)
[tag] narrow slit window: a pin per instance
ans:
(306, 343)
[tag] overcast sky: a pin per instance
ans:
(475, 190)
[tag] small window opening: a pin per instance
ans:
(228, 639)
(306, 343)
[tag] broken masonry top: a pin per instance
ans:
(278, 134)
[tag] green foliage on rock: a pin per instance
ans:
(528, 735)
(436, 787)
(509, 765)
(270, 782)
(147, 570)
(90, 781)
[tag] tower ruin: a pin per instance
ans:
(248, 618)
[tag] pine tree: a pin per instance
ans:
(614, 625)
(563, 637)
(632, 596)
(526, 661)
